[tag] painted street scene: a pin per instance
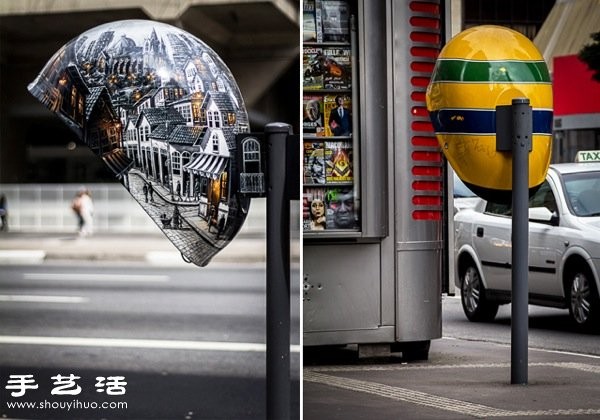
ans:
(162, 110)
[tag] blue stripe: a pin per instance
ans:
(483, 121)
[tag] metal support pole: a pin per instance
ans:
(278, 274)
(521, 135)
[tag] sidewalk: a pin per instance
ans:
(462, 379)
(153, 249)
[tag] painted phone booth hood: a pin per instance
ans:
(162, 111)
(479, 69)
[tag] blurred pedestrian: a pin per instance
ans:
(3, 213)
(145, 191)
(151, 191)
(83, 206)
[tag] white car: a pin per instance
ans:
(464, 198)
(564, 248)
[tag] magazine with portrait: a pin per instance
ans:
(341, 211)
(314, 163)
(313, 121)
(337, 112)
(338, 162)
(313, 209)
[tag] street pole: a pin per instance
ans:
(521, 146)
(278, 273)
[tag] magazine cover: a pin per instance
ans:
(318, 20)
(336, 21)
(313, 209)
(337, 111)
(312, 58)
(340, 209)
(312, 123)
(309, 24)
(314, 163)
(338, 162)
(337, 65)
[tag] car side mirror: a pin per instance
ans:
(543, 215)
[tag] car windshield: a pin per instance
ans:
(583, 193)
(461, 190)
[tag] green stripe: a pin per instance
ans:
(490, 71)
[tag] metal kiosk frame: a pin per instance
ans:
(380, 286)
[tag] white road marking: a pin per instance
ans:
(43, 299)
(138, 343)
(25, 256)
(566, 353)
(96, 277)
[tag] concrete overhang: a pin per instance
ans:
(259, 40)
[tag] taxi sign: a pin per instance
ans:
(588, 156)
(478, 70)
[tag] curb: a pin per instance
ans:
(153, 258)
(241, 251)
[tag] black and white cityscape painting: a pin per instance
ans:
(162, 111)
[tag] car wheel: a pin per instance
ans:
(584, 306)
(472, 295)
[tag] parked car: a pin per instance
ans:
(564, 248)
(464, 198)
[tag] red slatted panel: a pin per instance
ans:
(420, 111)
(428, 37)
(427, 200)
(427, 185)
(422, 67)
(424, 141)
(418, 96)
(427, 215)
(433, 157)
(427, 170)
(425, 7)
(429, 23)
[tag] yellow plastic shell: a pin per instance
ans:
(479, 69)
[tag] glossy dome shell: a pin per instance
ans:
(162, 110)
(479, 69)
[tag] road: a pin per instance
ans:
(549, 328)
(189, 343)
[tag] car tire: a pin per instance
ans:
(583, 300)
(475, 305)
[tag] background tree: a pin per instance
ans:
(590, 54)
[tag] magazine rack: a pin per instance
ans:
(331, 193)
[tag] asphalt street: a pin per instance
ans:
(189, 343)
(549, 329)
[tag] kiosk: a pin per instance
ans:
(374, 193)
